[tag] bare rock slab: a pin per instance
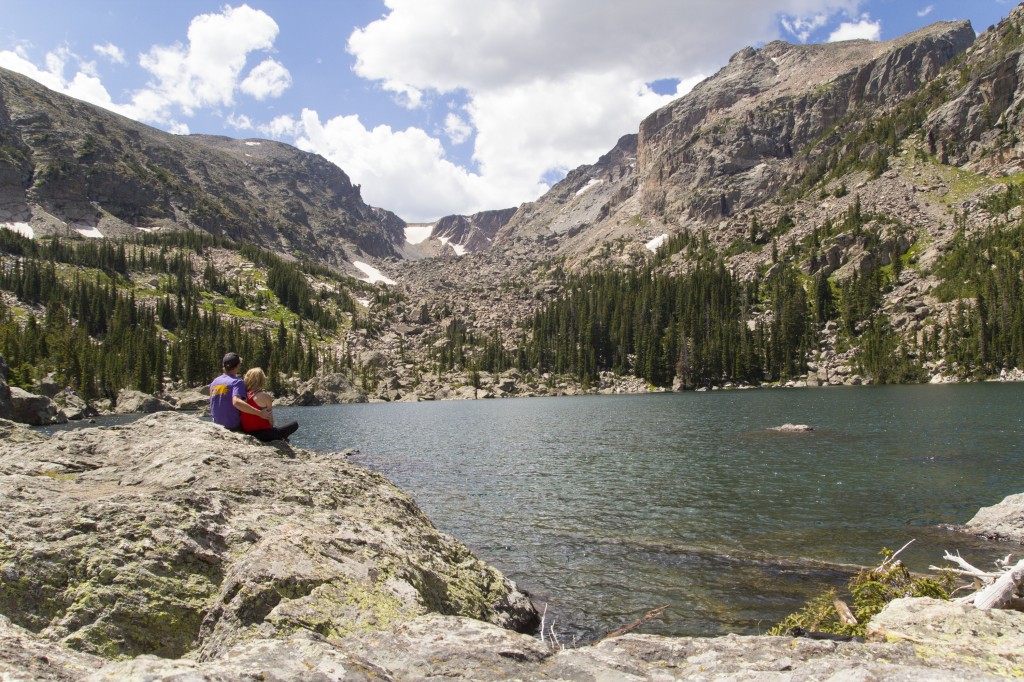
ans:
(1002, 521)
(171, 535)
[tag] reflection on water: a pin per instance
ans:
(607, 507)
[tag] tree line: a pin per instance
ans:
(98, 336)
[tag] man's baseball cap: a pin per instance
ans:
(231, 360)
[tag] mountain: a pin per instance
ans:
(68, 166)
(828, 214)
(872, 173)
(734, 141)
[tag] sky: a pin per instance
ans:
(433, 107)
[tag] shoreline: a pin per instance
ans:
(171, 461)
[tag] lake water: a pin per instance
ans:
(606, 507)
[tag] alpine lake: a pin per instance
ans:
(605, 507)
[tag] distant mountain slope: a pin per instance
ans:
(734, 141)
(66, 165)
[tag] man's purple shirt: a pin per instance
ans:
(222, 390)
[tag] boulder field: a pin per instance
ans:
(171, 549)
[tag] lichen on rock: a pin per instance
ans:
(172, 535)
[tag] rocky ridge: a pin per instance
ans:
(69, 168)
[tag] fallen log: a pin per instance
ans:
(1003, 590)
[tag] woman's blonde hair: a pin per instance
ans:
(255, 380)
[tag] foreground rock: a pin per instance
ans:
(171, 535)
(924, 646)
(1002, 521)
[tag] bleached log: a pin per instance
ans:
(1003, 590)
(962, 563)
(845, 614)
(973, 574)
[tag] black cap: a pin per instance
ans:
(231, 360)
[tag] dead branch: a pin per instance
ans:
(1003, 590)
(893, 557)
(845, 614)
(650, 615)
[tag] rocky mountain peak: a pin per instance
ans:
(68, 167)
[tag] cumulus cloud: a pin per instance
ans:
(111, 52)
(205, 72)
(269, 79)
(402, 170)
(865, 29)
(550, 84)
(801, 28)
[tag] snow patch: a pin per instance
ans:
(87, 230)
(655, 243)
(590, 184)
(252, 144)
(365, 302)
(460, 250)
(147, 229)
(21, 228)
(414, 234)
(373, 275)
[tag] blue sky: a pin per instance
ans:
(434, 107)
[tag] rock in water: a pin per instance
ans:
(1003, 521)
(172, 535)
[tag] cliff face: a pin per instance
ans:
(980, 126)
(732, 142)
(474, 232)
(68, 166)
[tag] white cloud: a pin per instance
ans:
(456, 128)
(205, 72)
(111, 52)
(269, 79)
(202, 74)
(865, 29)
(402, 170)
(549, 84)
(801, 28)
(925, 11)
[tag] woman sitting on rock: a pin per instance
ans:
(263, 428)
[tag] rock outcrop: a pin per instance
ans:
(924, 640)
(328, 389)
(1002, 521)
(171, 535)
(35, 410)
(132, 402)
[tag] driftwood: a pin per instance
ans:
(650, 615)
(845, 614)
(995, 589)
(1002, 591)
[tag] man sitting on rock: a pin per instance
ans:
(228, 396)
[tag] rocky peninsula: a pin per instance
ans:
(172, 549)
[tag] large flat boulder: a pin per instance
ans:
(172, 535)
(34, 410)
(1002, 521)
(134, 402)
